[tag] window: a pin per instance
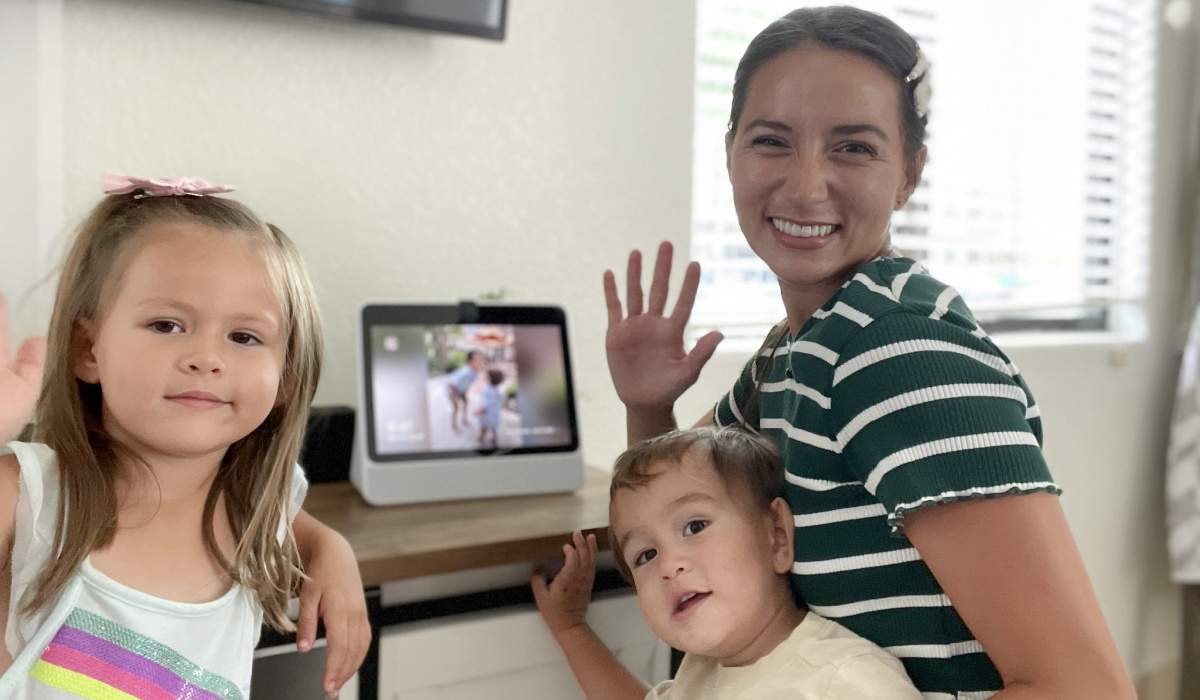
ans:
(1035, 201)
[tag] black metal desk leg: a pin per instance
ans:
(1189, 688)
(368, 673)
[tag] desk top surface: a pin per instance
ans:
(400, 542)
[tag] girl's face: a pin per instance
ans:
(817, 165)
(189, 349)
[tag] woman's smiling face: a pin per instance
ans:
(817, 165)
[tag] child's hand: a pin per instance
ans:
(334, 592)
(563, 602)
(20, 380)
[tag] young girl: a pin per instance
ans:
(147, 538)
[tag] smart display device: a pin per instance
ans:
(463, 401)
(481, 18)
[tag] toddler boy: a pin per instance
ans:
(700, 528)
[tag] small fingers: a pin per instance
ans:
(537, 581)
(31, 360)
(661, 281)
(591, 556)
(587, 550)
(570, 558)
(633, 283)
(336, 660)
(3, 331)
(362, 636)
(348, 637)
(306, 623)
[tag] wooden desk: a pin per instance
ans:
(393, 543)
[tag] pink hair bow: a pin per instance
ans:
(160, 186)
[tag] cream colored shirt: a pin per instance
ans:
(820, 660)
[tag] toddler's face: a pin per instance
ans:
(190, 348)
(706, 566)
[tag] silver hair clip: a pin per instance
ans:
(922, 90)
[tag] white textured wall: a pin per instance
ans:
(407, 165)
(417, 166)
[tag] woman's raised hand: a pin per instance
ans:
(20, 379)
(649, 365)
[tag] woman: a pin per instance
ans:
(911, 442)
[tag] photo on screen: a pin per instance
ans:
(468, 388)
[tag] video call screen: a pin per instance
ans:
(466, 389)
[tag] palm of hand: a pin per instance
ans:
(648, 362)
(649, 365)
(20, 380)
(563, 602)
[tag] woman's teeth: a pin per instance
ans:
(801, 231)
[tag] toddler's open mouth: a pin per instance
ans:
(686, 602)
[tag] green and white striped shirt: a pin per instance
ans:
(891, 398)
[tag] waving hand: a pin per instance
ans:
(649, 365)
(20, 379)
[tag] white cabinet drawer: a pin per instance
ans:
(508, 653)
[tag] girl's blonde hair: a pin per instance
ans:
(255, 474)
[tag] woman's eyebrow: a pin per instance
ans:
(851, 129)
(769, 124)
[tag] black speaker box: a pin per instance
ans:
(328, 440)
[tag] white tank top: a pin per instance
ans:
(102, 639)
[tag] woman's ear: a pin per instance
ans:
(729, 154)
(912, 177)
(782, 529)
(83, 357)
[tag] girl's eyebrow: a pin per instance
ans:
(266, 317)
(171, 303)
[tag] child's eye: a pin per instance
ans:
(243, 338)
(644, 556)
(166, 327)
(694, 526)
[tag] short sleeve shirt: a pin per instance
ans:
(889, 399)
(820, 660)
(462, 379)
(490, 402)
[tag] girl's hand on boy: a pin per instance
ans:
(333, 592)
(650, 366)
(563, 602)
(20, 379)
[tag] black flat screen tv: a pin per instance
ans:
(482, 18)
